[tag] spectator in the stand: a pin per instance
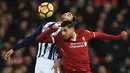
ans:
(90, 17)
(102, 69)
(110, 63)
(122, 22)
(22, 29)
(95, 64)
(8, 70)
(122, 69)
(127, 63)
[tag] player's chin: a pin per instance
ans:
(65, 38)
(64, 18)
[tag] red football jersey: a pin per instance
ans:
(75, 53)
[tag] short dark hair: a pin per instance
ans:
(68, 24)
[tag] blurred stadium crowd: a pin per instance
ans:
(19, 19)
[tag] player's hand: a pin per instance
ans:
(8, 54)
(56, 66)
(55, 27)
(123, 34)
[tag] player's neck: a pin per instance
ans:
(59, 22)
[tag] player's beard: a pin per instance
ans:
(68, 38)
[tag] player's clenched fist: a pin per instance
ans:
(123, 33)
(8, 54)
(55, 27)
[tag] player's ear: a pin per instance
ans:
(72, 29)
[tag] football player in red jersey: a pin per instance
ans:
(73, 44)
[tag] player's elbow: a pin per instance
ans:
(38, 38)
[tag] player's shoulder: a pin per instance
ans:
(47, 24)
(53, 23)
(82, 30)
(50, 23)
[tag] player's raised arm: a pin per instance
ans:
(45, 35)
(104, 36)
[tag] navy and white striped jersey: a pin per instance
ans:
(47, 50)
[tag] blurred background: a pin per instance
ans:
(19, 19)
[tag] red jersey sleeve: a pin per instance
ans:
(101, 35)
(58, 39)
(51, 39)
(44, 35)
(48, 40)
(89, 34)
(104, 36)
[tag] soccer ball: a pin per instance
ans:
(46, 10)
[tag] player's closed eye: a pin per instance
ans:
(69, 14)
(64, 30)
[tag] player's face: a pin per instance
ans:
(67, 16)
(67, 33)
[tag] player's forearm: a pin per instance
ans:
(44, 35)
(104, 36)
(47, 40)
(29, 40)
(25, 42)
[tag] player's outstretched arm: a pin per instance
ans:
(29, 40)
(104, 36)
